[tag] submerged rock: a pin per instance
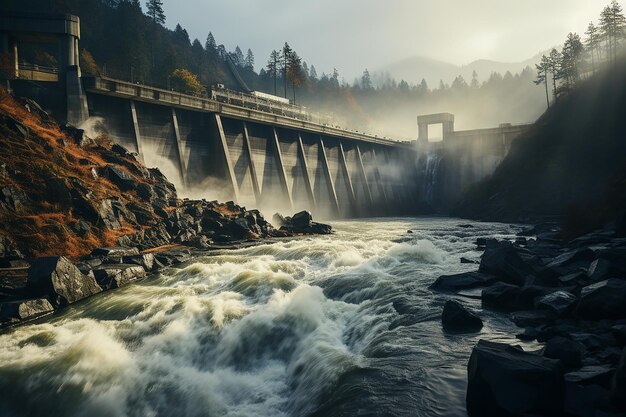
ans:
(456, 318)
(463, 281)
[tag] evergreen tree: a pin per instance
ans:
(249, 61)
(313, 73)
(294, 72)
(555, 69)
(592, 42)
(155, 11)
(210, 44)
(543, 67)
(238, 57)
(475, 84)
(273, 68)
(570, 59)
(459, 84)
(286, 55)
(423, 87)
(366, 80)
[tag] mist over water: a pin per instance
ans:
(332, 325)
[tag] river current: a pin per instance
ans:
(340, 325)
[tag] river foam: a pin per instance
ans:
(331, 325)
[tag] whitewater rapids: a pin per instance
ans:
(337, 325)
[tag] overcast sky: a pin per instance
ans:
(354, 34)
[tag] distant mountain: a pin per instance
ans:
(415, 68)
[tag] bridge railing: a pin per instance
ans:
(145, 93)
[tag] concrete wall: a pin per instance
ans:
(260, 165)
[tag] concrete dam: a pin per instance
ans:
(235, 146)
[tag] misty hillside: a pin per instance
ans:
(414, 69)
(572, 163)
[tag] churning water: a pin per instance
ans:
(340, 325)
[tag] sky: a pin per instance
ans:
(352, 35)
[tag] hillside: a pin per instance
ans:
(572, 164)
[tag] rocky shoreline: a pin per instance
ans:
(568, 295)
(30, 289)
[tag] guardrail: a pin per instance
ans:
(141, 92)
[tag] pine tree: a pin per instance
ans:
(366, 80)
(238, 57)
(592, 43)
(210, 44)
(273, 67)
(286, 54)
(555, 69)
(570, 59)
(249, 62)
(475, 84)
(313, 73)
(155, 11)
(294, 72)
(543, 67)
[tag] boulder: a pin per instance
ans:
(60, 280)
(569, 352)
(618, 384)
(117, 275)
(278, 220)
(14, 199)
(301, 220)
(16, 311)
(145, 260)
(502, 297)
(456, 318)
(145, 192)
(505, 381)
(320, 229)
(603, 300)
(586, 390)
(532, 318)
(114, 251)
(463, 281)
(559, 302)
(121, 178)
(507, 264)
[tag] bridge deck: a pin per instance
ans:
(111, 87)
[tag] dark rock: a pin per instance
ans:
(58, 191)
(577, 257)
(117, 252)
(173, 257)
(600, 269)
(145, 192)
(301, 220)
(468, 261)
(506, 381)
(559, 302)
(117, 275)
(603, 300)
(16, 311)
(506, 263)
(463, 281)
(569, 352)
(585, 390)
(60, 280)
(618, 384)
(120, 178)
(145, 260)
(200, 242)
(14, 198)
(456, 318)
(532, 317)
(502, 297)
(119, 149)
(320, 229)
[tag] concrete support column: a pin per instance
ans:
(379, 180)
(282, 174)
(346, 172)
(226, 155)
(136, 133)
(8, 47)
(329, 178)
(307, 175)
(368, 190)
(422, 132)
(179, 148)
(255, 178)
(448, 127)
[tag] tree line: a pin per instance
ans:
(560, 71)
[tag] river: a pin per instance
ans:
(340, 325)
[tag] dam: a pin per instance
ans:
(231, 145)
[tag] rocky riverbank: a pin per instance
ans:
(79, 216)
(568, 295)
